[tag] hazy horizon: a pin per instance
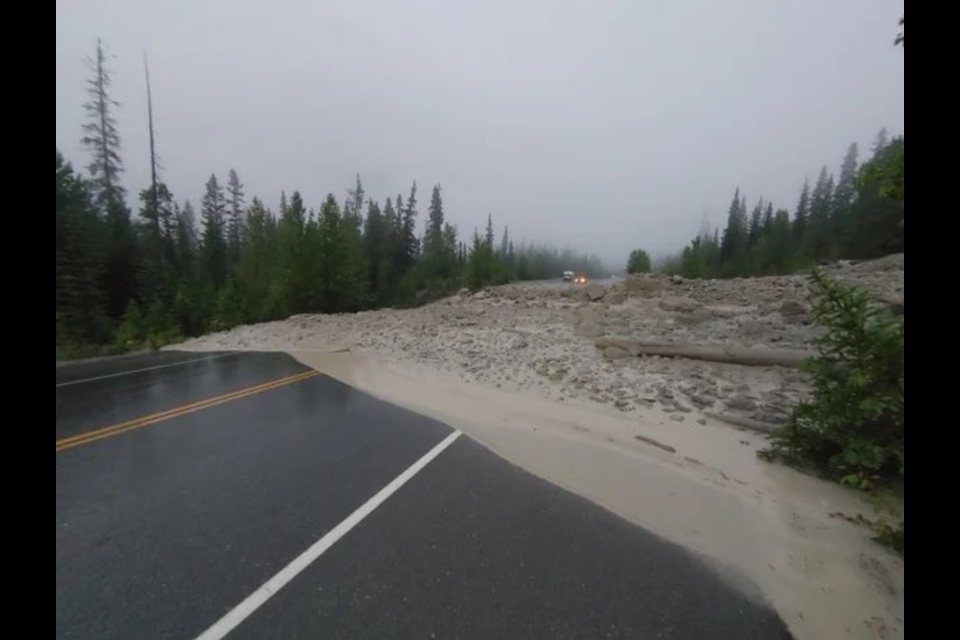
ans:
(600, 127)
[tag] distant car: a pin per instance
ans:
(569, 276)
(580, 279)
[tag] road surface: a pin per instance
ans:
(204, 496)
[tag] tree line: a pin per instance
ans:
(173, 270)
(857, 214)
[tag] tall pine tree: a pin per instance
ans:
(818, 237)
(157, 244)
(844, 196)
(80, 312)
(801, 217)
(356, 198)
(437, 264)
(103, 142)
(215, 248)
(735, 237)
(256, 262)
(237, 204)
(295, 280)
(100, 133)
(408, 234)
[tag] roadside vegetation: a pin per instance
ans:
(852, 428)
(858, 215)
(133, 279)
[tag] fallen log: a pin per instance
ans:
(747, 356)
(744, 422)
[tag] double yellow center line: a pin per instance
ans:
(146, 421)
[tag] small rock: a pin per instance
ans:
(702, 422)
(741, 403)
(794, 312)
(695, 317)
(590, 330)
(793, 308)
(755, 329)
(680, 304)
(615, 298)
(640, 285)
(702, 402)
(615, 353)
(511, 294)
(678, 418)
(725, 313)
(595, 292)
(770, 417)
(585, 315)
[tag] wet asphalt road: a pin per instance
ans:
(166, 525)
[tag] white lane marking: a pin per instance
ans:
(258, 598)
(130, 373)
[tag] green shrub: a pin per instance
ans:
(133, 330)
(852, 427)
(639, 262)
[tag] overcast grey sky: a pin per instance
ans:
(602, 124)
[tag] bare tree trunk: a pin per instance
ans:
(153, 153)
(747, 356)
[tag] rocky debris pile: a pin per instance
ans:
(882, 279)
(544, 338)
